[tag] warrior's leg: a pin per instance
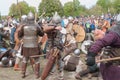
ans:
(61, 67)
(37, 67)
(16, 66)
(90, 69)
(80, 74)
(24, 66)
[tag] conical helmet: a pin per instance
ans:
(56, 18)
(30, 16)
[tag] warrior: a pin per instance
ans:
(55, 47)
(3, 34)
(30, 33)
(110, 70)
(106, 25)
(73, 62)
(18, 45)
(69, 26)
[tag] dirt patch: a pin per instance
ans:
(10, 74)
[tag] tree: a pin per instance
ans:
(95, 10)
(105, 4)
(83, 10)
(49, 7)
(22, 8)
(13, 10)
(76, 5)
(0, 16)
(74, 8)
(116, 5)
(32, 9)
(68, 9)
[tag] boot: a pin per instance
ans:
(37, 69)
(24, 65)
(81, 74)
(84, 72)
(16, 67)
(61, 73)
(77, 76)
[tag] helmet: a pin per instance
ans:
(30, 16)
(24, 18)
(77, 52)
(118, 19)
(1, 25)
(70, 18)
(11, 62)
(5, 61)
(56, 18)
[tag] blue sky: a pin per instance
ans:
(5, 4)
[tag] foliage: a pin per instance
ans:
(22, 8)
(74, 9)
(50, 6)
(68, 9)
(95, 10)
(105, 4)
(13, 10)
(32, 9)
(83, 10)
(76, 5)
(71, 8)
(0, 16)
(116, 5)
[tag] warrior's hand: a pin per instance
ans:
(58, 27)
(75, 33)
(90, 59)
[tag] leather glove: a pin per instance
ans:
(90, 59)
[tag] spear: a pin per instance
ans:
(109, 59)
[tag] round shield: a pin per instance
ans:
(85, 45)
(80, 33)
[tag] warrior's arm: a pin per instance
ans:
(47, 28)
(18, 34)
(40, 31)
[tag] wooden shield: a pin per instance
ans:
(51, 61)
(80, 32)
(44, 41)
